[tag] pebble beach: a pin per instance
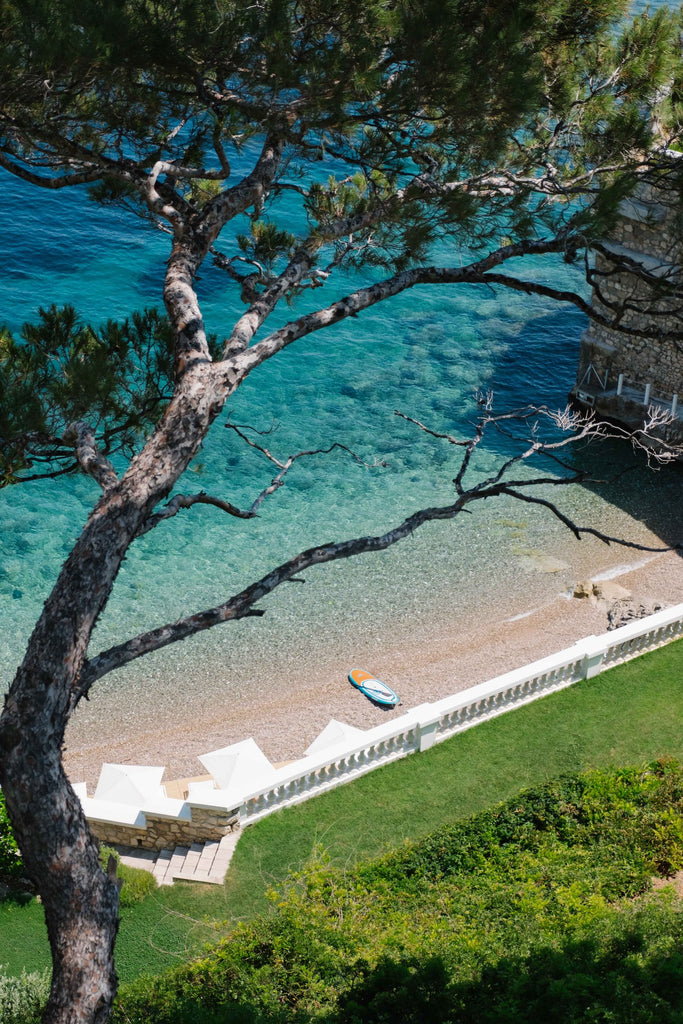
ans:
(284, 712)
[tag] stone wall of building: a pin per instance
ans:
(165, 833)
(648, 225)
(648, 236)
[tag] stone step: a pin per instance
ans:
(177, 860)
(201, 862)
(192, 858)
(215, 864)
(160, 869)
(207, 857)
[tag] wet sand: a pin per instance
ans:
(425, 661)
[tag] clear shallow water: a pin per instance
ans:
(424, 353)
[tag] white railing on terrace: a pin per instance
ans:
(431, 723)
(645, 394)
(352, 752)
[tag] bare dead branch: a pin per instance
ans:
(240, 430)
(433, 433)
(185, 501)
(242, 604)
(284, 467)
(182, 501)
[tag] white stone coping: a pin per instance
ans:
(428, 714)
(332, 735)
(128, 794)
(651, 263)
(108, 812)
(168, 807)
(128, 783)
(645, 210)
(232, 765)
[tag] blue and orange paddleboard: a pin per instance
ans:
(377, 691)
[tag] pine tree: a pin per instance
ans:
(510, 129)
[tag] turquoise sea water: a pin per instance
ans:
(425, 354)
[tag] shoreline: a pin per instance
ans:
(437, 659)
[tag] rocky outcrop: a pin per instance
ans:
(618, 602)
(623, 612)
(601, 591)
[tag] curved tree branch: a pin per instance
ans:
(190, 249)
(242, 604)
(363, 298)
(182, 501)
(89, 456)
(54, 181)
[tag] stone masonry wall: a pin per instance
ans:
(165, 833)
(647, 231)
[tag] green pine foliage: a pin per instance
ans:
(417, 121)
(539, 909)
(117, 377)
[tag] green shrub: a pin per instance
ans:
(136, 882)
(11, 866)
(516, 915)
(22, 999)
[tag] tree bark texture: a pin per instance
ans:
(60, 855)
(81, 903)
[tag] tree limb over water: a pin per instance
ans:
(242, 604)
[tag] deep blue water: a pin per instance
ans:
(424, 353)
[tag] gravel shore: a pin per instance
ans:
(432, 659)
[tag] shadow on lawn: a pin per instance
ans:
(19, 892)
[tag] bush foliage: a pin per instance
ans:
(136, 883)
(538, 909)
(23, 998)
(11, 866)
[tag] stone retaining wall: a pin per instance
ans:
(165, 833)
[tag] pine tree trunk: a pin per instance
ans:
(60, 855)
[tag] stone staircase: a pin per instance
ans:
(206, 862)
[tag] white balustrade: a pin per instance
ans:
(263, 789)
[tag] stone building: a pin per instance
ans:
(637, 278)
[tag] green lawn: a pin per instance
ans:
(631, 714)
